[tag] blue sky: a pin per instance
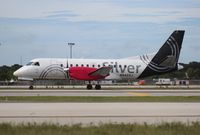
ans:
(100, 28)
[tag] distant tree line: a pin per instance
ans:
(6, 72)
(190, 71)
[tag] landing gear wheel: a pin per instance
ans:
(31, 87)
(89, 86)
(98, 87)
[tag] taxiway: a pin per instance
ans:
(124, 92)
(73, 113)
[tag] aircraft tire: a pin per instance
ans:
(98, 87)
(89, 86)
(31, 87)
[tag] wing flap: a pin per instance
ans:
(103, 71)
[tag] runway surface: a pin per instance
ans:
(72, 113)
(124, 92)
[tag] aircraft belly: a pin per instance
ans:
(113, 76)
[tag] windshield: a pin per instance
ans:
(30, 63)
(33, 64)
(36, 63)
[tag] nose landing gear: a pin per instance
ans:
(31, 87)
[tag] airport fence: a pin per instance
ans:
(75, 82)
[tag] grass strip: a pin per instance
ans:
(100, 99)
(175, 128)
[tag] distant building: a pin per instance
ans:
(163, 81)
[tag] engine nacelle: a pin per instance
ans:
(83, 73)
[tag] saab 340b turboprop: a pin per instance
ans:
(164, 61)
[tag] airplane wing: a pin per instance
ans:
(103, 71)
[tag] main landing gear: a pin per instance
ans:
(97, 86)
(89, 86)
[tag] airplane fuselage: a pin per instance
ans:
(54, 68)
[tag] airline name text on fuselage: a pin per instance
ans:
(121, 68)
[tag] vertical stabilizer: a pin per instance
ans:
(166, 58)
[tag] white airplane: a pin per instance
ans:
(164, 61)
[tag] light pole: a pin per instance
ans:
(20, 60)
(71, 44)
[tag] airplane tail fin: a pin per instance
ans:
(166, 59)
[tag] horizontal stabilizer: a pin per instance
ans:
(170, 61)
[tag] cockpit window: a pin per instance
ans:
(36, 63)
(33, 64)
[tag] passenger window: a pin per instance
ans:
(76, 65)
(71, 65)
(87, 65)
(82, 65)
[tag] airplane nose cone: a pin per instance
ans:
(16, 73)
